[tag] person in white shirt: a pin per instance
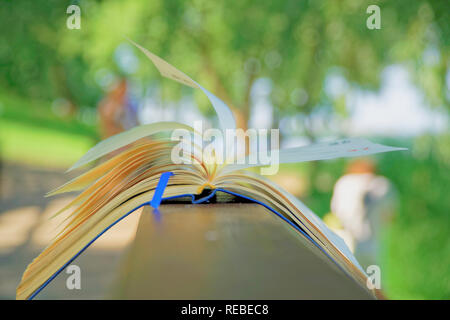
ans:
(364, 204)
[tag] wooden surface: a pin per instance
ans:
(226, 251)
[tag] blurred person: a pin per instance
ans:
(117, 111)
(363, 204)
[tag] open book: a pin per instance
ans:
(138, 158)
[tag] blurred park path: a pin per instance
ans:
(26, 229)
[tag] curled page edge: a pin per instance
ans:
(344, 148)
(224, 113)
(313, 218)
(124, 138)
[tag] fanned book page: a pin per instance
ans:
(127, 181)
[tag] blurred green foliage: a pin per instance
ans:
(417, 253)
(226, 46)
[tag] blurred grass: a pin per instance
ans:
(31, 134)
(35, 145)
(418, 245)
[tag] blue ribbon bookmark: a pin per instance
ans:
(159, 191)
(156, 201)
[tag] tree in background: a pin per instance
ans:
(227, 46)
